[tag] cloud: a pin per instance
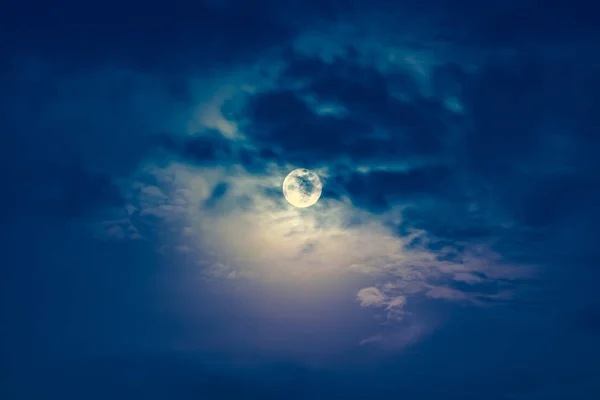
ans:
(104, 117)
(371, 296)
(445, 293)
(49, 190)
(372, 123)
(451, 172)
(237, 226)
(393, 305)
(142, 210)
(410, 198)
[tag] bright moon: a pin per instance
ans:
(302, 188)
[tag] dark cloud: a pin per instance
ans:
(208, 147)
(50, 190)
(500, 148)
(380, 190)
(506, 155)
(254, 160)
(555, 198)
(509, 103)
(218, 192)
(374, 124)
(282, 120)
(361, 88)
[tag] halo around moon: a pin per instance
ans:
(302, 188)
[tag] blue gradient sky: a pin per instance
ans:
(146, 249)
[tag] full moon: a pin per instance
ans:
(302, 188)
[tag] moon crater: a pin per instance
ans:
(302, 188)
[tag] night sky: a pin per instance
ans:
(147, 250)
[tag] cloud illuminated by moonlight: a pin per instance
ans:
(253, 233)
(236, 224)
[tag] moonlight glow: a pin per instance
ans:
(302, 188)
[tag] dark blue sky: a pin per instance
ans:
(146, 249)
